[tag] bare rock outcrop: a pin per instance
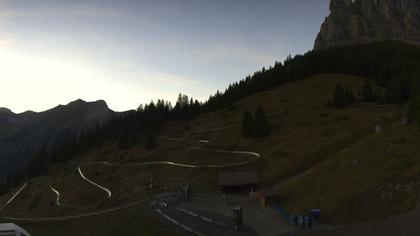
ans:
(361, 21)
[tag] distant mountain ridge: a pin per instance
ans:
(362, 21)
(22, 134)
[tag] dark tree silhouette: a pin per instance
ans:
(415, 99)
(367, 93)
(261, 124)
(151, 141)
(350, 95)
(379, 98)
(341, 98)
(36, 166)
(394, 92)
(247, 124)
(123, 141)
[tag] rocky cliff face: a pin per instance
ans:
(360, 21)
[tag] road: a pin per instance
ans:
(201, 223)
(264, 221)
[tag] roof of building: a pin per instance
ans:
(269, 192)
(237, 178)
(7, 227)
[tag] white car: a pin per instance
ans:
(10, 229)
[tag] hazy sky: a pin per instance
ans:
(128, 52)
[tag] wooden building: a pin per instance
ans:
(237, 181)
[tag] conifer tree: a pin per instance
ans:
(261, 125)
(367, 93)
(415, 99)
(340, 98)
(134, 137)
(123, 141)
(393, 92)
(247, 123)
(378, 96)
(350, 95)
(151, 141)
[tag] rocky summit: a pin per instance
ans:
(361, 21)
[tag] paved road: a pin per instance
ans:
(203, 227)
(264, 221)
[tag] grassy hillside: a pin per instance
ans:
(375, 177)
(318, 156)
(349, 171)
(128, 222)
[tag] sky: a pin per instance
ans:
(128, 52)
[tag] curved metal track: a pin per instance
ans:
(255, 155)
(14, 196)
(57, 201)
(95, 184)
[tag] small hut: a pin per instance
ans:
(237, 181)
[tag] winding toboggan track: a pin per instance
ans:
(255, 156)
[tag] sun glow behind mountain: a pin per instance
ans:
(130, 52)
(41, 82)
(36, 80)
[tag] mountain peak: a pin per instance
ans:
(7, 111)
(100, 102)
(78, 101)
(83, 103)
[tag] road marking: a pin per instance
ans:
(179, 224)
(208, 220)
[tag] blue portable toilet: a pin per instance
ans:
(315, 215)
